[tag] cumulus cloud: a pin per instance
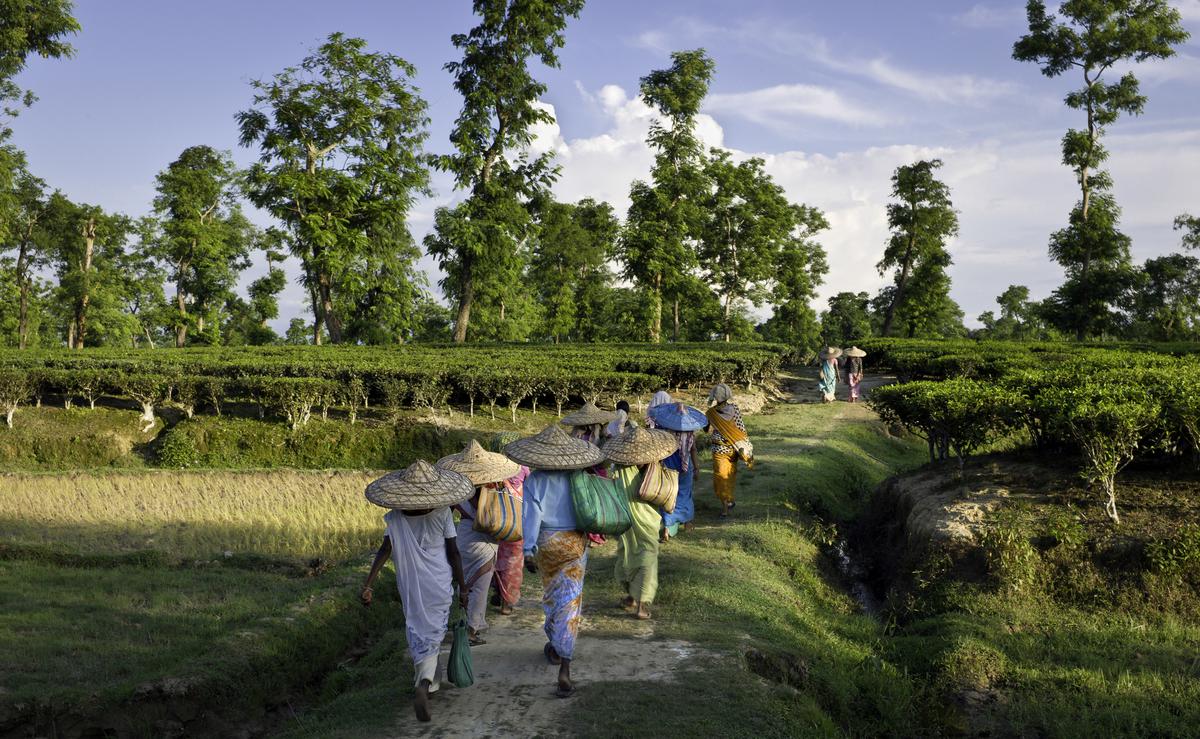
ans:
(781, 105)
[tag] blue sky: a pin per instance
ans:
(833, 95)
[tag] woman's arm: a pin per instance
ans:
(456, 569)
(385, 549)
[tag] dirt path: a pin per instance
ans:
(513, 694)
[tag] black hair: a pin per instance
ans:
(623, 405)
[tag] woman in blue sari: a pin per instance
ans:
(683, 421)
(827, 384)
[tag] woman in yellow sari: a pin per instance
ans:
(726, 430)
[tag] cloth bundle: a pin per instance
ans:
(601, 505)
(660, 487)
(499, 513)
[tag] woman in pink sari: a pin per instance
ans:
(510, 557)
(854, 371)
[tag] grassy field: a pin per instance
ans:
(231, 594)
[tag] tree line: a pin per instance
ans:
(340, 160)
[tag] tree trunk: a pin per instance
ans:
(502, 311)
(675, 335)
(1110, 503)
(1082, 329)
(333, 324)
(71, 334)
(89, 236)
(902, 281)
(728, 303)
(656, 311)
(23, 284)
(466, 300)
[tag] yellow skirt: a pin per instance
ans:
(724, 476)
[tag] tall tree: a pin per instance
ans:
(921, 219)
(658, 246)
(206, 239)
(799, 270)
(846, 320)
(141, 279)
(30, 27)
(747, 219)
(491, 137)
(573, 245)
(1166, 299)
(1090, 37)
(340, 164)
(28, 202)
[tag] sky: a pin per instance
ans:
(833, 96)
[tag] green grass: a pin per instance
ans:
(54, 438)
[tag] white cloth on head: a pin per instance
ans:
(616, 427)
(423, 577)
(660, 398)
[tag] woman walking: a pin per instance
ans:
(684, 421)
(829, 373)
(726, 431)
(421, 539)
(553, 544)
(589, 422)
(478, 548)
(510, 555)
(637, 548)
(662, 397)
(854, 371)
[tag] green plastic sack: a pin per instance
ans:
(460, 670)
(601, 505)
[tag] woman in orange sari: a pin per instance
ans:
(726, 430)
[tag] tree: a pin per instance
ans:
(1190, 225)
(921, 221)
(1166, 300)
(340, 165)
(573, 244)
(30, 28)
(28, 203)
(142, 300)
(799, 269)
(491, 137)
(206, 239)
(747, 223)
(846, 320)
(657, 247)
(1091, 37)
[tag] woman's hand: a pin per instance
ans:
(366, 596)
(462, 598)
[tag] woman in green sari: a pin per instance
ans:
(637, 549)
(829, 373)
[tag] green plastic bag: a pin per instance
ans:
(460, 670)
(601, 505)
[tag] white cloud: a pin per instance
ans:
(781, 105)
(1182, 67)
(953, 89)
(1189, 9)
(982, 16)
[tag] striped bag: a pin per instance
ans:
(499, 513)
(601, 505)
(660, 487)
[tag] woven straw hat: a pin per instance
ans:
(553, 449)
(678, 417)
(831, 352)
(588, 415)
(479, 466)
(420, 486)
(640, 446)
(854, 351)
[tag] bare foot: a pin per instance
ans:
(506, 609)
(566, 688)
(643, 612)
(421, 701)
(628, 602)
(551, 655)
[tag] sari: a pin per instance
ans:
(727, 426)
(562, 562)
(829, 378)
(681, 462)
(510, 556)
(423, 578)
(637, 549)
(478, 552)
(854, 375)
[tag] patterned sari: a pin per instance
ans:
(562, 562)
(829, 379)
(510, 557)
(637, 548)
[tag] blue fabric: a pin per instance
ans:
(547, 506)
(685, 504)
(829, 376)
(669, 416)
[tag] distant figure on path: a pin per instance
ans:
(554, 546)
(621, 423)
(637, 549)
(421, 539)
(478, 548)
(684, 421)
(854, 371)
(829, 373)
(662, 397)
(726, 429)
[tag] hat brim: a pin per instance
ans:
(392, 491)
(648, 446)
(594, 418)
(535, 454)
(855, 353)
(479, 474)
(668, 417)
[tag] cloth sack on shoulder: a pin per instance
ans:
(660, 487)
(601, 505)
(745, 450)
(499, 513)
(460, 670)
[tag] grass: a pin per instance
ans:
(48, 438)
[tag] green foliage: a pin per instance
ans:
(847, 320)
(29, 28)
(340, 165)
(1177, 556)
(958, 415)
(14, 390)
(1012, 562)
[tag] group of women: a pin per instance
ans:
(432, 555)
(831, 361)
